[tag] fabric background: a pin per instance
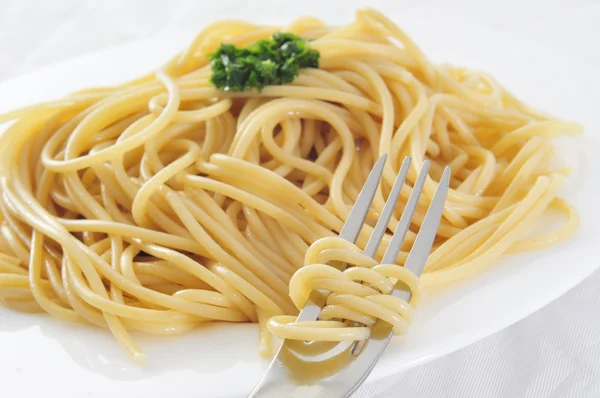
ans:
(552, 353)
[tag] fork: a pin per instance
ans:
(323, 369)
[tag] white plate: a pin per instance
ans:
(43, 355)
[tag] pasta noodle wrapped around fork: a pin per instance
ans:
(360, 294)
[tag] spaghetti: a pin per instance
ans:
(360, 294)
(164, 203)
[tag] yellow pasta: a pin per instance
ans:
(165, 203)
(360, 294)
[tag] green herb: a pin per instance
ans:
(263, 63)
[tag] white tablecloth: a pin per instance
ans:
(552, 353)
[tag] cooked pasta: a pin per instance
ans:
(360, 294)
(164, 203)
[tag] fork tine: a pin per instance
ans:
(357, 215)
(420, 251)
(388, 210)
(349, 232)
(407, 214)
(370, 350)
(391, 253)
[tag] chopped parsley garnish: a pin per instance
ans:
(263, 63)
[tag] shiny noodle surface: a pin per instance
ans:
(164, 203)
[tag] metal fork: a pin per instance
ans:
(323, 369)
